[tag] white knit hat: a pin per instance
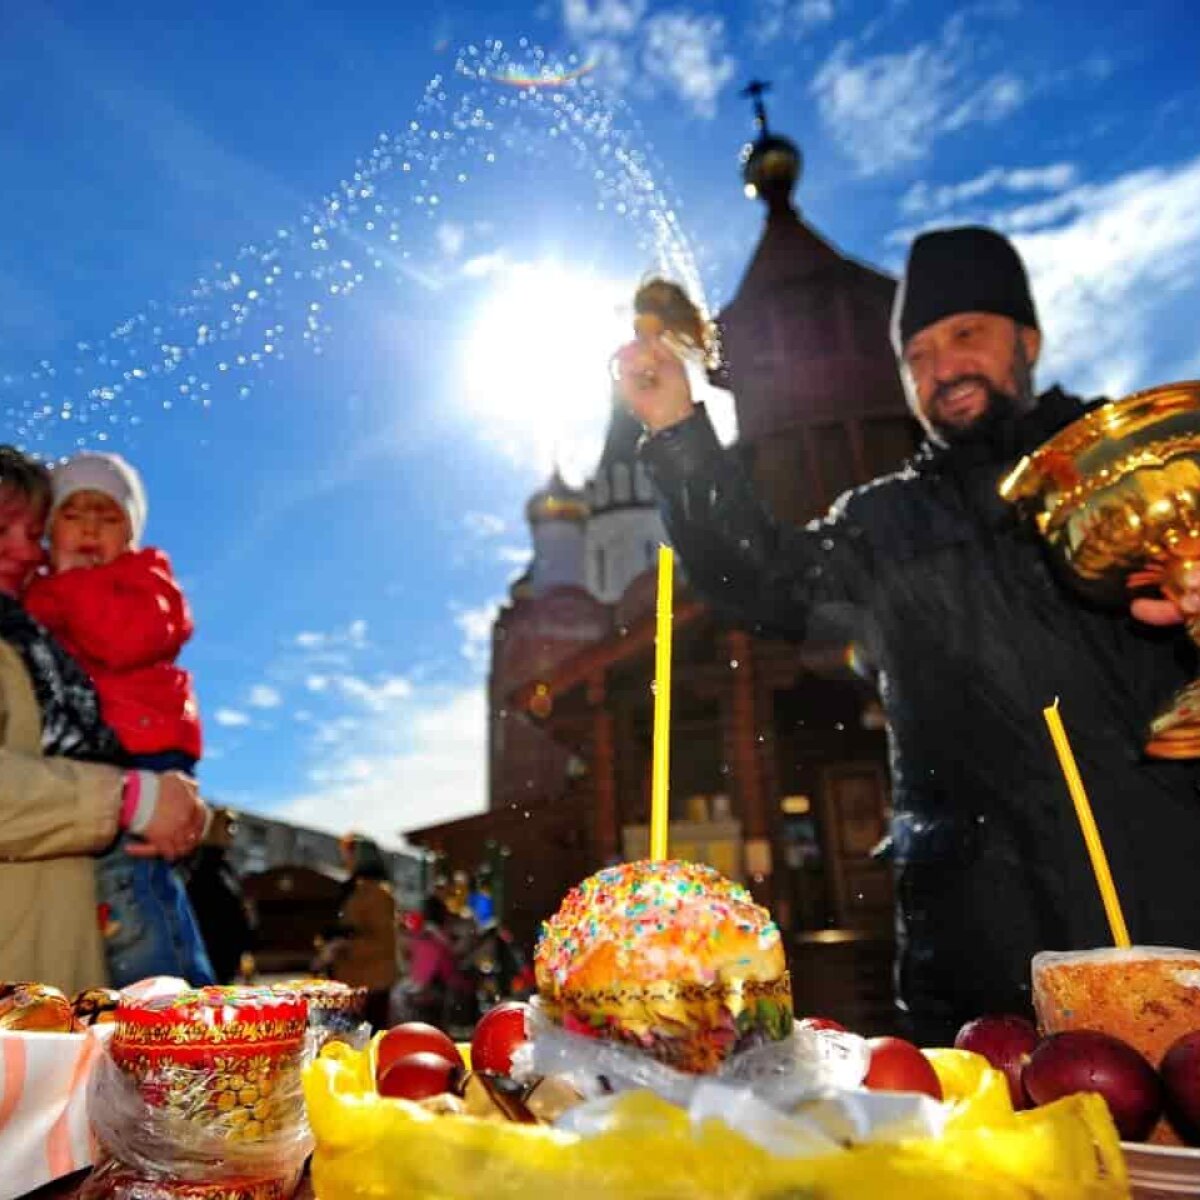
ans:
(109, 474)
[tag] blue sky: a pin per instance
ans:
(343, 293)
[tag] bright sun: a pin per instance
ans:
(536, 362)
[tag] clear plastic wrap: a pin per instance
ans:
(1146, 995)
(201, 1096)
(198, 1142)
(780, 1073)
(821, 1123)
(727, 1144)
(335, 1010)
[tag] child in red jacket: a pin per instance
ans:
(120, 613)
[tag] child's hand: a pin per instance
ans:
(178, 822)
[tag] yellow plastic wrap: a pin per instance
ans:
(369, 1146)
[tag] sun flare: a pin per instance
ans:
(536, 361)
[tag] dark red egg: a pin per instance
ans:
(1083, 1060)
(1180, 1071)
(417, 1076)
(1006, 1042)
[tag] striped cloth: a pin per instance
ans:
(44, 1132)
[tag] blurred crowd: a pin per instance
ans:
(445, 963)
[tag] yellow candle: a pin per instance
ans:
(660, 777)
(1087, 822)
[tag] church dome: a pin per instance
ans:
(556, 501)
(771, 166)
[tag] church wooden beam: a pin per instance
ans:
(606, 835)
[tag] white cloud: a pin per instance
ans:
(922, 198)
(681, 53)
(814, 12)
(335, 731)
(1117, 287)
(883, 108)
(1001, 95)
(451, 238)
(483, 265)
(262, 695)
(484, 525)
(475, 624)
(231, 718)
(439, 775)
(686, 52)
(888, 109)
(352, 636)
(349, 770)
(615, 63)
(602, 17)
(773, 19)
(378, 752)
(1115, 269)
(376, 696)
(516, 556)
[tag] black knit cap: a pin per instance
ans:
(951, 271)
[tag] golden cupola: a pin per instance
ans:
(556, 501)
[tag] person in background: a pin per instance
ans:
(971, 634)
(218, 901)
(480, 902)
(117, 609)
(63, 797)
(433, 975)
(362, 952)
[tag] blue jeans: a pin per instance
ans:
(150, 928)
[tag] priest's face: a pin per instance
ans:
(961, 367)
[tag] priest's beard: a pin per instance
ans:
(993, 429)
(995, 433)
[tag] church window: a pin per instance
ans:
(601, 580)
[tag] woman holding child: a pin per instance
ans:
(64, 793)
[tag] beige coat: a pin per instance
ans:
(367, 956)
(54, 814)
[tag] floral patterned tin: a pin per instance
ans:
(227, 1058)
(334, 1008)
(111, 1181)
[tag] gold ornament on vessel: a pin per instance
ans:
(1116, 496)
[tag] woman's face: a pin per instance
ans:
(22, 523)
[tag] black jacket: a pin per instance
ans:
(221, 912)
(973, 634)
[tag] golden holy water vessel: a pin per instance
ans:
(1116, 495)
